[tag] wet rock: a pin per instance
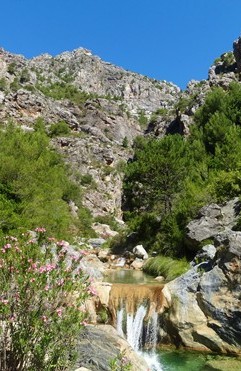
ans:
(137, 263)
(160, 278)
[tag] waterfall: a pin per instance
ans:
(135, 327)
(135, 312)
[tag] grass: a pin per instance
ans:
(165, 266)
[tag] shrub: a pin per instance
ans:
(166, 267)
(34, 184)
(86, 179)
(125, 142)
(3, 84)
(41, 303)
(58, 129)
(143, 120)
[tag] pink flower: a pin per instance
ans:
(40, 230)
(44, 319)
(59, 312)
(47, 287)
(84, 323)
(7, 246)
(60, 282)
(32, 241)
(42, 269)
(92, 291)
(4, 301)
(17, 248)
(11, 238)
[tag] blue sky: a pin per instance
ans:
(173, 40)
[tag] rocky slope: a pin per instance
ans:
(225, 69)
(104, 106)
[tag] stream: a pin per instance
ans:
(138, 322)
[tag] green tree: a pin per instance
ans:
(156, 174)
(34, 184)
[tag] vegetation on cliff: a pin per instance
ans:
(170, 178)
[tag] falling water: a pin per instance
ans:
(139, 333)
(119, 321)
(136, 316)
(135, 327)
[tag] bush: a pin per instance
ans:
(34, 184)
(166, 267)
(86, 179)
(68, 91)
(41, 303)
(3, 84)
(58, 129)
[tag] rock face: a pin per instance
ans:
(237, 53)
(211, 220)
(99, 345)
(205, 302)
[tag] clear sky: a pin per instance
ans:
(173, 40)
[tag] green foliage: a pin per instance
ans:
(60, 128)
(86, 179)
(125, 142)
(227, 59)
(152, 185)
(156, 174)
(25, 76)
(12, 68)
(183, 104)
(169, 179)
(165, 266)
(120, 363)
(15, 86)
(3, 84)
(61, 90)
(40, 303)
(34, 184)
(143, 120)
(107, 219)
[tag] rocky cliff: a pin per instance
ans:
(205, 303)
(104, 106)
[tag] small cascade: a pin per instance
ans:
(135, 310)
(134, 327)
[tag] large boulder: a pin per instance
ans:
(140, 252)
(99, 345)
(212, 220)
(205, 303)
(93, 267)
